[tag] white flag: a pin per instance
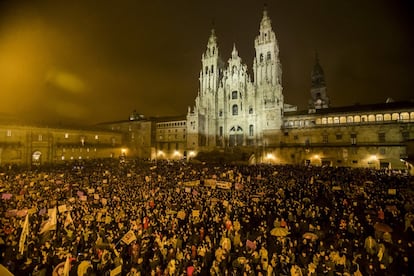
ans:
(52, 221)
(23, 235)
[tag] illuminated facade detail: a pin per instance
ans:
(351, 136)
(170, 138)
(231, 109)
(33, 145)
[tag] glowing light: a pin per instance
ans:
(123, 151)
(160, 153)
(191, 153)
(176, 153)
(316, 156)
(270, 156)
(373, 157)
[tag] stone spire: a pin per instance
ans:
(319, 98)
(318, 76)
(234, 52)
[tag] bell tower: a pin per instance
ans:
(319, 98)
(267, 71)
(212, 66)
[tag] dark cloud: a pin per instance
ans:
(94, 61)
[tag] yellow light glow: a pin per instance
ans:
(123, 151)
(191, 153)
(65, 80)
(373, 157)
(316, 156)
(270, 156)
(176, 153)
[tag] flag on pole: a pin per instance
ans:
(116, 271)
(23, 235)
(129, 237)
(66, 267)
(52, 221)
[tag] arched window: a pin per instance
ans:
(405, 116)
(261, 57)
(269, 56)
(379, 117)
(364, 118)
(395, 116)
(235, 109)
(206, 69)
(212, 68)
(234, 95)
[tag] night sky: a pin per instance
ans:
(85, 62)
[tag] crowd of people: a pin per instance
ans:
(175, 218)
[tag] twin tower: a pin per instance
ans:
(233, 109)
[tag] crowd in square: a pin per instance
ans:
(106, 217)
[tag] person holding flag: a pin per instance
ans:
(23, 235)
(68, 225)
(129, 237)
(52, 221)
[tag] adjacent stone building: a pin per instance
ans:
(36, 145)
(372, 135)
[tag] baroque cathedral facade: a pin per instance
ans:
(232, 108)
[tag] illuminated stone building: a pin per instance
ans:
(138, 135)
(371, 135)
(170, 138)
(36, 145)
(152, 138)
(233, 109)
